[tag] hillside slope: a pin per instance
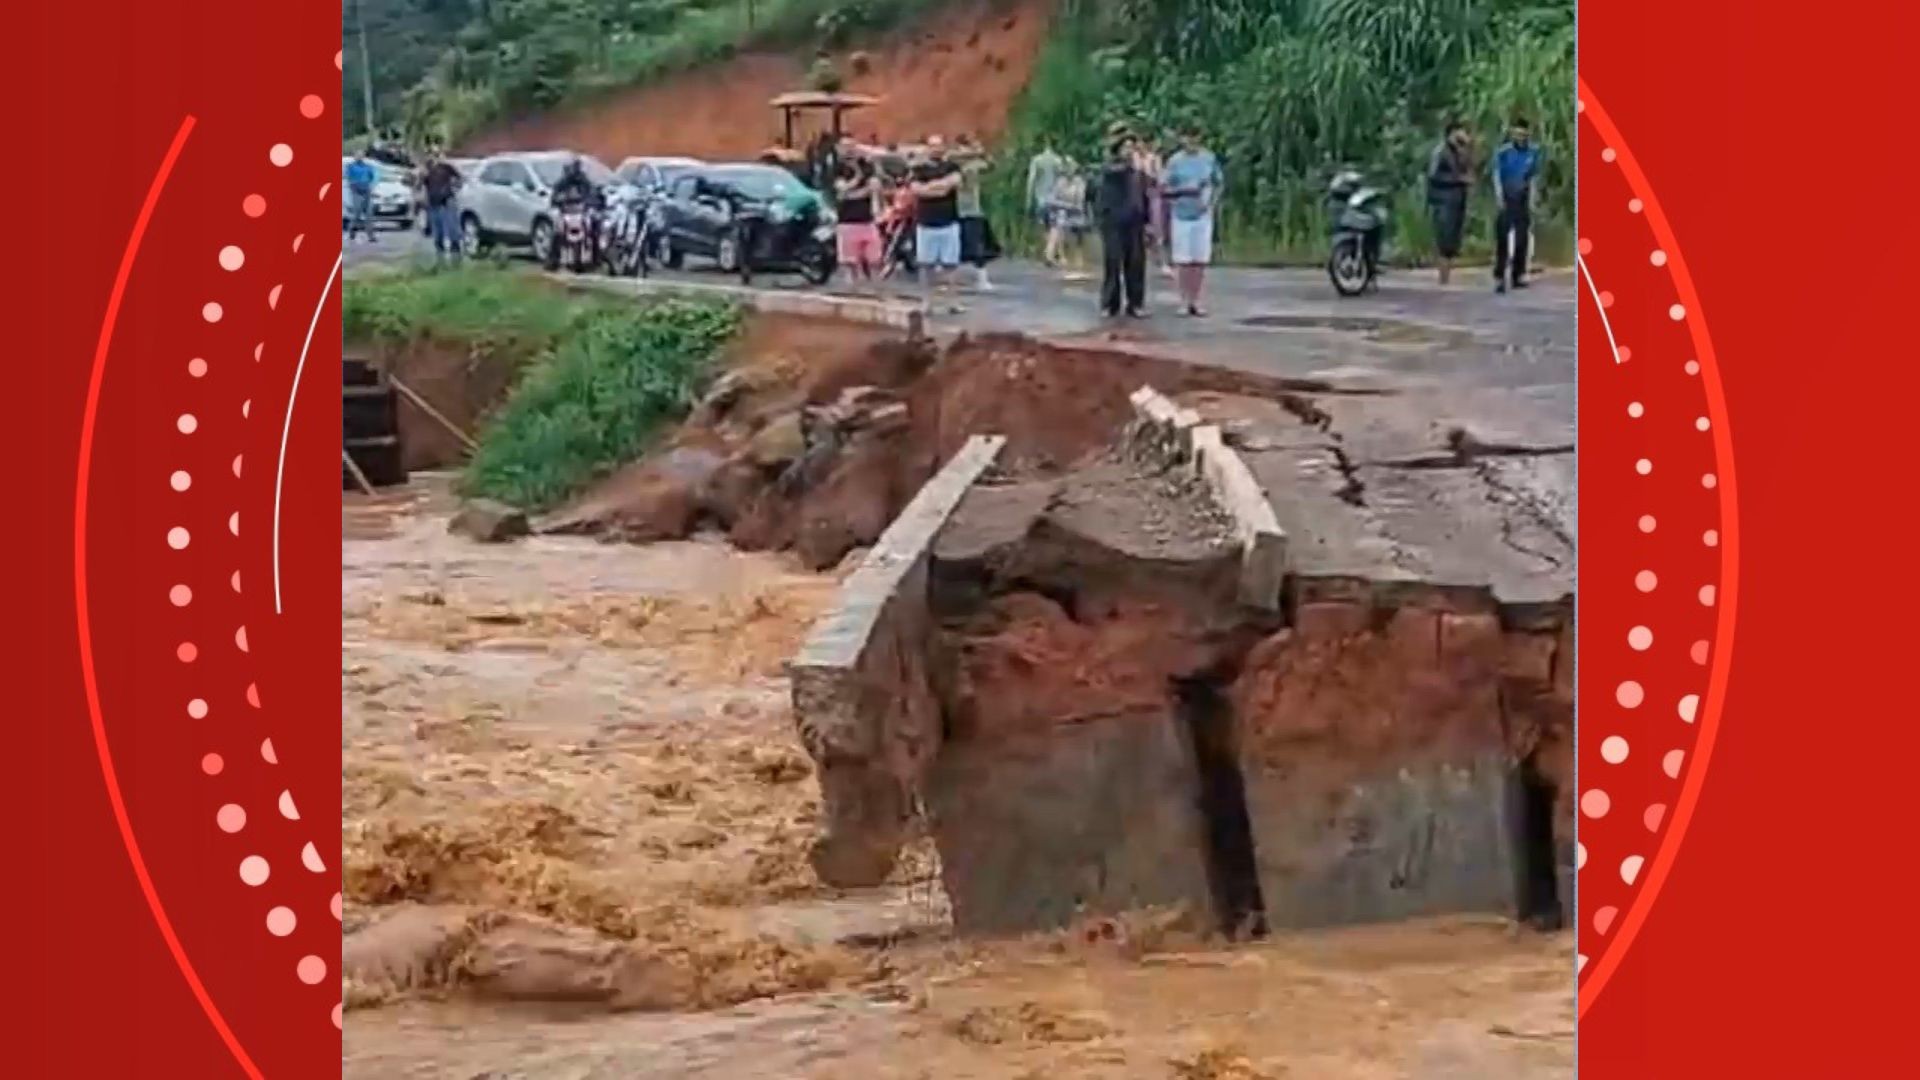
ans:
(961, 70)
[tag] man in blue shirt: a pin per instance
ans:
(1192, 186)
(360, 177)
(1516, 165)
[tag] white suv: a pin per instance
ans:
(508, 200)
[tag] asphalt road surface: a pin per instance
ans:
(1402, 375)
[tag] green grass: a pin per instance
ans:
(1289, 91)
(600, 375)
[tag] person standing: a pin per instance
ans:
(936, 194)
(1516, 165)
(442, 184)
(360, 177)
(977, 244)
(1448, 171)
(1193, 185)
(858, 189)
(1043, 175)
(1152, 174)
(1121, 207)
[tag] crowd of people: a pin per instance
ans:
(1147, 209)
(922, 207)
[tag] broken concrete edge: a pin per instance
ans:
(839, 637)
(1175, 436)
(904, 316)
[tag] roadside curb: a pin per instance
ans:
(1165, 432)
(908, 317)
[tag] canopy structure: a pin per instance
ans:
(837, 105)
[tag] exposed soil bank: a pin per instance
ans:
(821, 432)
(960, 71)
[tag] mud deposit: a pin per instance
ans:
(576, 831)
(819, 433)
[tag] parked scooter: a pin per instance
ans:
(1359, 214)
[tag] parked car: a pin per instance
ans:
(652, 175)
(392, 195)
(708, 211)
(466, 167)
(509, 202)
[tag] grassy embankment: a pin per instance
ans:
(598, 377)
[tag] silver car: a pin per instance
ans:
(651, 175)
(392, 201)
(466, 167)
(509, 201)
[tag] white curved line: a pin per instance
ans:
(1605, 324)
(280, 467)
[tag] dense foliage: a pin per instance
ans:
(1287, 91)
(602, 375)
(445, 68)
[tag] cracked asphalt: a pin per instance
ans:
(1431, 435)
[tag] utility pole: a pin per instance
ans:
(366, 64)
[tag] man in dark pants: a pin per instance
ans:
(1121, 208)
(1448, 176)
(1515, 167)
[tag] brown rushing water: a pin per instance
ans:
(598, 734)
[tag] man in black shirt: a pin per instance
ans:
(1120, 205)
(442, 183)
(1448, 172)
(936, 191)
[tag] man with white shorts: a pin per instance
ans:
(936, 238)
(1193, 181)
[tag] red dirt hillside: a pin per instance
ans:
(960, 70)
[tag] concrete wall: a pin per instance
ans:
(1420, 840)
(861, 694)
(1378, 776)
(1099, 818)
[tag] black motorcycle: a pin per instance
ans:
(1359, 216)
(766, 237)
(628, 232)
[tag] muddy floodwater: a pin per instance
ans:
(577, 818)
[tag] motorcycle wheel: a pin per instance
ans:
(1347, 266)
(817, 265)
(727, 255)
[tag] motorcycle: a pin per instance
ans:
(627, 231)
(575, 237)
(1359, 215)
(774, 237)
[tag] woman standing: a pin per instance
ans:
(858, 189)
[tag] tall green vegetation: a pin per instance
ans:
(1289, 91)
(600, 375)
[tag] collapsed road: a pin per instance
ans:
(1129, 703)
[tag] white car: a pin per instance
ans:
(392, 196)
(508, 202)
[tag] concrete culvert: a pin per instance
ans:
(1075, 672)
